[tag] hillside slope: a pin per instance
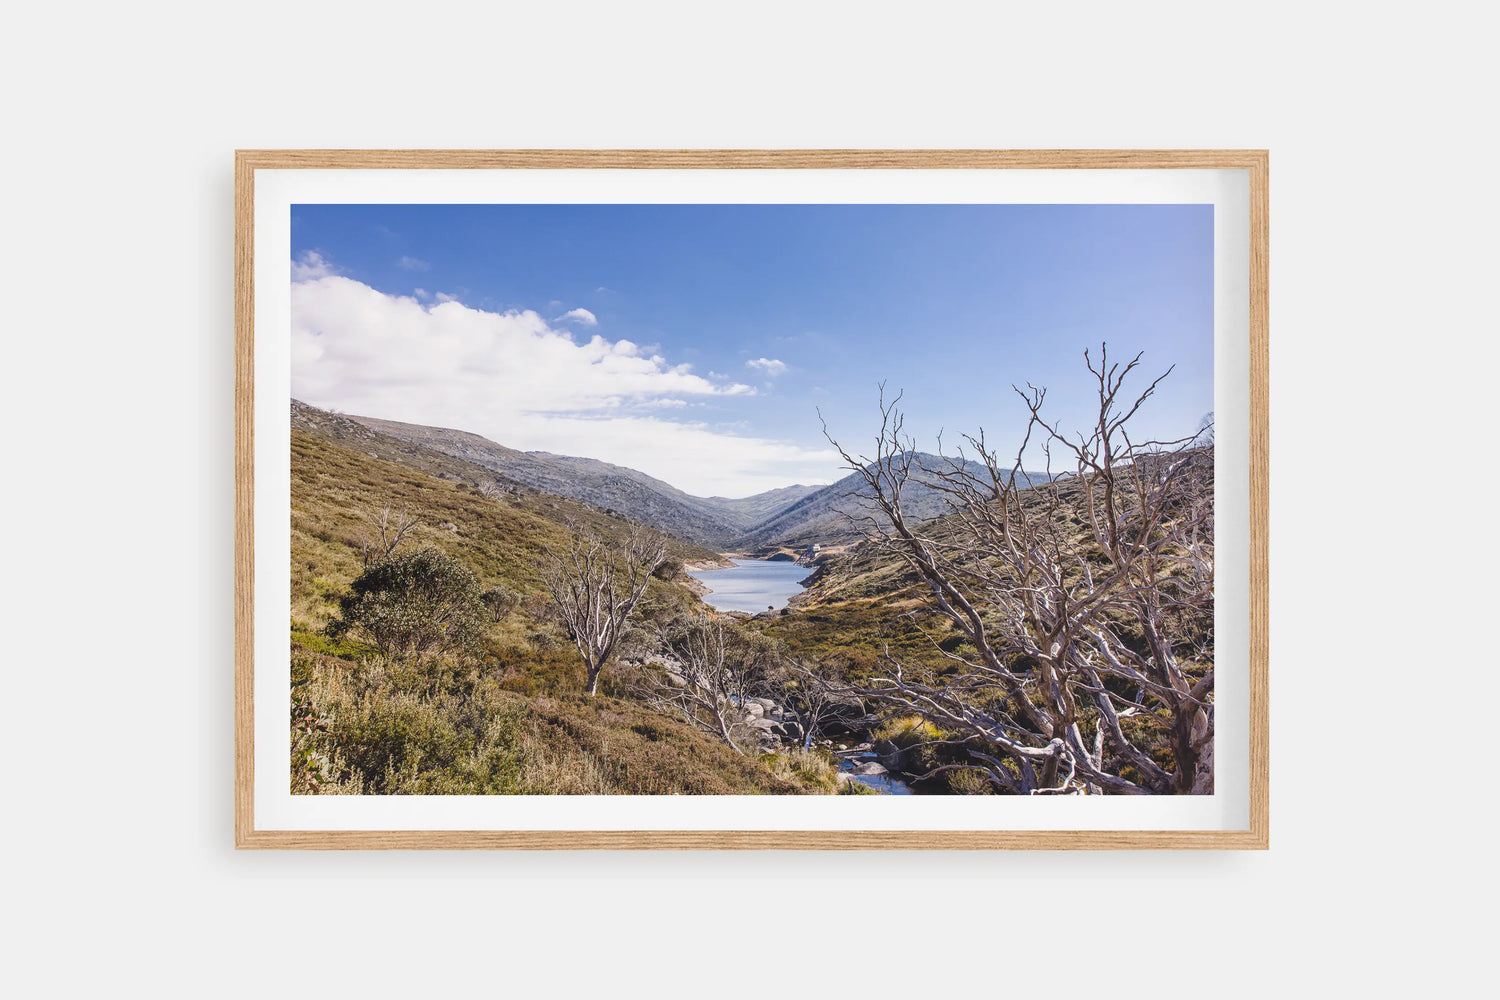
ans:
(715, 521)
(823, 515)
(510, 719)
(866, 609)
(502, 539)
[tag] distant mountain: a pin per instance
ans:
(821, 517)
(715, 521)
(789, 517)
(758, 508)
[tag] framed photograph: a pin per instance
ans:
(751, 499)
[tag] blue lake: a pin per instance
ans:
(752, 585)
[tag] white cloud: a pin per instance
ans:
(445, 297)
(770, 366)
(413, 264)
(578, 316)
(514, 379)
(691, 456)
(311, 266)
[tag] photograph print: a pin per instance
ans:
(758, 499)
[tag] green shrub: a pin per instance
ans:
(907, 731)
(425, 602)
(501, 601)
(544, 640)
(668, 570)
(908, 744)
(969, 783)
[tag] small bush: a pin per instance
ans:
(907, 731)
(668, 570)
(425, 602)
(907, 745)
(544, 640)
(969, 783)
(501, 601)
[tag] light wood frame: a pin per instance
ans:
(1254, 161)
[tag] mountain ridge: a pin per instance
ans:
(714, 521)
(824, 516)
(794, 517)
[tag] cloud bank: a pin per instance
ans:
(514, 379)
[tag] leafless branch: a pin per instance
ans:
(1084, 601)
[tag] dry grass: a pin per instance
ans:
(808, 767)
(853, 636)
(335, 489)
(441, 728)
(509, 720)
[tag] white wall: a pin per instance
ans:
(120, 123)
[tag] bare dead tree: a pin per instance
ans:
(709, 682)
(1087, 600)
(384, 532)
(595, 586)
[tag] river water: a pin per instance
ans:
(885, 783)
(752, 585)
(755, 585)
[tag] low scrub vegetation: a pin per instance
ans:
(906, 731)
(429, 659)
(421, 603)
(437, 727)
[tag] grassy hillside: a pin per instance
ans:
(867, 600)
(502, 539)
(440, 729)
(510, 719)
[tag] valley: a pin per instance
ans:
(750, 651)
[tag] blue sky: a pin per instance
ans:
(697, 342)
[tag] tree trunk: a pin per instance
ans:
(593, 685)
